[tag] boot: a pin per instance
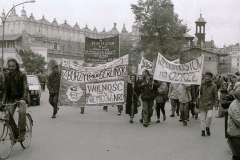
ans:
(173, 114)
(54, 115)
(208, 131)
(164, 117)
(181, 119)
(82, 110)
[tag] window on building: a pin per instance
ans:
(237, 59)
(237, 64)
(63, 47)
(209, 58)
(55, 45)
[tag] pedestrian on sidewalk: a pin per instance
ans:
(208, 99)
(162, 96)
(233, 128)
(42, 79)
(53, 85)
(185, 98)
(132, 97)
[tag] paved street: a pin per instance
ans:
(100, 135)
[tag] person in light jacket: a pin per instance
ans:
(161, 100)
(185, 98)
(233, 128)
(173, 95)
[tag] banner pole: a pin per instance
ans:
(119, 45)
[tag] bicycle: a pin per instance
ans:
(10, 131)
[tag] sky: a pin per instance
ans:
(222, 16)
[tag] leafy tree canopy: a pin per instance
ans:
(161, 29)
(33, 62)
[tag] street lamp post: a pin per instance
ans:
(3, 23)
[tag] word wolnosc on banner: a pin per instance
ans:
(106, 92)
(187, 73)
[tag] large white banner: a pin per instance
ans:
(144, 64)
(105, 84)
(187, 73)
(105, 92)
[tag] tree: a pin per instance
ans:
(33, 62)
(161, 29)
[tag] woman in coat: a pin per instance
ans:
(132, 97)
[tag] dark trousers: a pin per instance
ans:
(147, 110)
(53, 100)
(234, 145)
(158, 107)
(43, 86)
(120, 108)
(184, 111)
(175, 105)
(191, 108)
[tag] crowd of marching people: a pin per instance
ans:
(185, 100)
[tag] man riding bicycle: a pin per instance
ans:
(16, 89)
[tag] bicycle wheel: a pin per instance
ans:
(25, 144)
(6, 139)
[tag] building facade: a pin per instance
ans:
(56, 41)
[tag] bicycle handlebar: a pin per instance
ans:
(7, 104)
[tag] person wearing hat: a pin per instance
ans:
(208, 99)
(53, 86)
(233, 128)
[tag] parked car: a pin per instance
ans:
(34, 89)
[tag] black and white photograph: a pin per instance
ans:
(120, 80)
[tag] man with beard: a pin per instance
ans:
(208, 99)
(16, 89)
(53, 85)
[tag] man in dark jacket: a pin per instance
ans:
(148, 93)
(16, 89)
(208, 99)
(53, 85)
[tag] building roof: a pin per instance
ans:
(199, 48)
(200, 19)
(10, 37)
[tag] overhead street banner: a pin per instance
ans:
(102, 85)
(187, 73)
(101, 50)
(145, 64)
